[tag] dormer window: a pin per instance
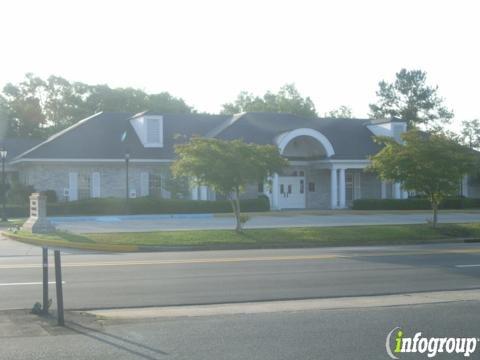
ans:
(154, 133)
(149, 129)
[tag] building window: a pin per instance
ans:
(311, 187)
(260, 188)
(302, 186)
(155, 185)
(84, 186)
(282, 189)
(154, 133)
(302, 173)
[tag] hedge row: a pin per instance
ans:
(413, 204)
(114, 206)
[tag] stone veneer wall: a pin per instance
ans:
(320, 198)
(112, 176)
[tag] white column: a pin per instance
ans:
(384, 189)
(275, 191)
(343, 203)
(465, 186)
(195, 192)
(404, 194)
(333, 188)
(203, 193)
(396, 191)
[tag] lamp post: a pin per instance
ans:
(127, 195)
(3, 155)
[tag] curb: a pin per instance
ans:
(259, 307)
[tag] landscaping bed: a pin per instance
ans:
(141, 206)
(414, 204)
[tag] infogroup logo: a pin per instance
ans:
(429, 346)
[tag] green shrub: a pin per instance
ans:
(149, 205)
(17, 211)
(413, 204)
(18, 193)
(51, 196)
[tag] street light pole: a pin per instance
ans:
(3, 155)
(127, 161)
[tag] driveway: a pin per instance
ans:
(140, 223)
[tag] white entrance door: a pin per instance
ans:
(291, 192)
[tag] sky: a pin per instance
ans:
(208, 51)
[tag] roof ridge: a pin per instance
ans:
(223, 126)
(58, 134)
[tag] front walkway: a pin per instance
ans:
(141, 223)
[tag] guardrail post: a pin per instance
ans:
(58, 283)
(45, 280)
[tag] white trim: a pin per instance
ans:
(333, 188)
(283, 139)
(327, 164)
(275, 192)
(92, 160)
(342, 184)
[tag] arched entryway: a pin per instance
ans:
(304, 144)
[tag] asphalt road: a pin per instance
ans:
(153, 279)
(332, 335)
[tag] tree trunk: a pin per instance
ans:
(235, 202)
(237, 213)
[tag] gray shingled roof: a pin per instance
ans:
(350, 138)
(99, 137)
(16, 146)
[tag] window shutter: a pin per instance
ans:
(357, 188)
(154, 131)
(73, 186)
(144, 184)
(95, 185)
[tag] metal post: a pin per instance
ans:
(45, 280)
(127, 160)
(58, 283)
(4, 192)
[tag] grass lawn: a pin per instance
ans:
(12, 222)
(258, 238)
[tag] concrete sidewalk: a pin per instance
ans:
(143, 223)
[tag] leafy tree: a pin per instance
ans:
(411, 99)
(64, 103)
(24, 106)
(37, 107)
(471, 133)
(431, 164)
(227, 166)
(287, 100)
(4, 118)
(342, 112)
